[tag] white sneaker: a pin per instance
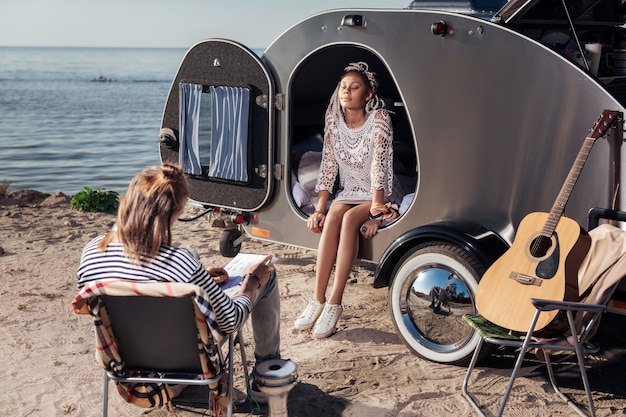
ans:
(309, 315)
(326, 324)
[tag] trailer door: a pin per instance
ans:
(220, 110)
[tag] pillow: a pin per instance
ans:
(299, 195)
(308, 170)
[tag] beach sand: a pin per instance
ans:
(48, 368)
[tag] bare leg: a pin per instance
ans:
(327, 249)
(347, 249)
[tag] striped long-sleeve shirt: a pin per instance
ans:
(170, 264)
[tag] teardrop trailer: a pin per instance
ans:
(491, 103)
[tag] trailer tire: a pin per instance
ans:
(432, 327)
(228, 247)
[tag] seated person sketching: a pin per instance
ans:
(140, 249)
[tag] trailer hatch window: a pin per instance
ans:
(214, 131)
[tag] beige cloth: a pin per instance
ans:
(606, 260)
(599, 274)
(602, 269)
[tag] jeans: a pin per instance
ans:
(265, 318)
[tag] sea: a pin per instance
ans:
(81, 117)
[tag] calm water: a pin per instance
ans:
(61, 131)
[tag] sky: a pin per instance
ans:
(158, 23)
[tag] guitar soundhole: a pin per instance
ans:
(540, 246)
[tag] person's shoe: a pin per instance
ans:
(309, 316)
(256, 395)
(326, 324)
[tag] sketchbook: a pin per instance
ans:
(238, 267)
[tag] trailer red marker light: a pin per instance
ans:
(439, 28)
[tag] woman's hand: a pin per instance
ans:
(219, 275)
(315, 222)
(370, 228)
(257, 276)
(262, 270)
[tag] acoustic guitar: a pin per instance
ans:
(543, 260)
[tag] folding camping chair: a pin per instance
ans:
(158, 338)
(496, 335)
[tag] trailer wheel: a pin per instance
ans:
(230, 243)
(431, 325)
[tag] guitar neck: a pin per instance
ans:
(566, 190)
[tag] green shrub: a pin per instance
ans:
(95, 201)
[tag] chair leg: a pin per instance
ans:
(231, 347)
(518, 366)
(232, 340)
(583, 375)
(507, 392)
(105, 394)
(580, 359)
(470, 368)
(580, 356)
(242, 348)
(563, 396)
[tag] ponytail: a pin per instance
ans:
(146, 212)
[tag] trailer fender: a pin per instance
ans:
(480, 242)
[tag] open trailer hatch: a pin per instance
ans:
(220, 111)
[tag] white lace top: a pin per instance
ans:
(363, 158)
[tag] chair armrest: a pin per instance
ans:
(550, 305)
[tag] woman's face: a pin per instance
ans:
(353, 92)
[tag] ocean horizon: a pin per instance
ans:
(75, 117)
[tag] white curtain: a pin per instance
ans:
(189, 153)
(229, 133)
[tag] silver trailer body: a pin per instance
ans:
(487, 119)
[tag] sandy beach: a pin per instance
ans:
(48, 369)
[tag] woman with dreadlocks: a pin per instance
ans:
(357, 148)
